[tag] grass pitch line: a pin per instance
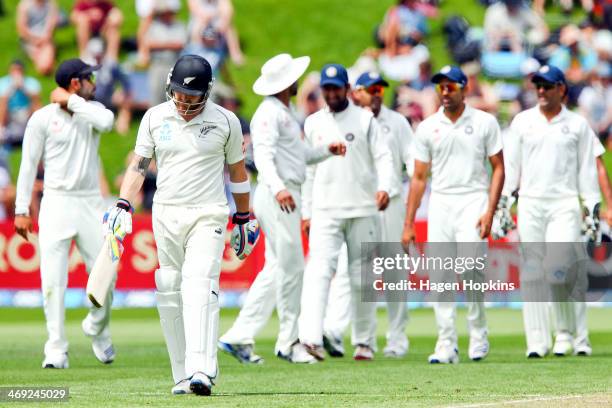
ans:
(522, 401)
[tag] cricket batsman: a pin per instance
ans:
(191, 139)
(551, 157)
(346, 195)
(65, 134)
(456, 142)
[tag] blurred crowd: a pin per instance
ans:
(499, 55)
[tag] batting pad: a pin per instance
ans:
(169, 306)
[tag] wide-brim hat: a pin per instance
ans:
(279, 73)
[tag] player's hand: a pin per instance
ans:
(23, 225)
(382, 200)
(285, 200)
(60, 95)
(306, 227)
(484, 224)
(408, 236)
(337, 148)
(245, 234)
(118, 220)
(590, 224)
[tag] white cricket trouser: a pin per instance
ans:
(280, 281)
(540, 221)
(64, 217)
(337, 316)
(326, 238)
(453, 218)
(190, 243)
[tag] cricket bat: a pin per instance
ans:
(102, 274)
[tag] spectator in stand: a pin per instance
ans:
(19, 98)
(97, 18)
(479, 95)
(510, 25)
(566, 5)
(403, 27)
(575, 58)
(7, 193)
(211, 19)
(418, 99)
(161, 45)
(527, 95)
(36, 22)
(108, 76)
(595, 102)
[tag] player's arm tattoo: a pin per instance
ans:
(141, 164)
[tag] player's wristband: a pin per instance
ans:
(241, 218)
(125, 205)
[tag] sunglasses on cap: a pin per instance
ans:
(450, 87)
(547, 86)
(376, 90)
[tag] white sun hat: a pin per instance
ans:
(278, 73)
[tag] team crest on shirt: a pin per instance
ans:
(565, 130)
(349, 137)
(469, 130)
(165, 133)
(206, 130)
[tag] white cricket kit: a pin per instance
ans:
(281, 157)
(554, 164)
(458, 153)
(342, 208)
(395, 129)
(71, 206)
(190, 213)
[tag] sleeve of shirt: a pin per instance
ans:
(145, 144)
(234, 148)
(91, 112)
(310, 175)
(264, 133)
(32, 150)
(598, 148)
(420, 148)
(494, 140)
(383, 159)
(512, 159)
(587, 168)
(315, 155)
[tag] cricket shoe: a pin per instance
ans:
(444, 355)
(333, 345)
(315, 350)
(298, 355)
(363, 352)
(478, 349)
(396, 350)
(182, 387)
(57, 361)
(101, 343)
(582, 347)
(201, 384)
(242, 352)
(537, 353)
(563, 344)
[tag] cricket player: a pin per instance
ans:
(551, 157)
(395, 129)
(281, 157)
(191, 138)
(456, 142)
(345, 197)
(65, 135)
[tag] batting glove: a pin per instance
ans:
(590, 225)
(117, 220)
(502, 220)
(245, 234)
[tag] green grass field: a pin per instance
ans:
(141, 374)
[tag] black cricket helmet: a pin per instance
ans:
(191, 75)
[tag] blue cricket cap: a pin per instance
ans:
(334, 74)
(370, 78)
(451, 72)
(549, 73)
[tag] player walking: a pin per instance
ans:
(551, 158)
(346, 194)
(191, 138)
(281, 157)
(456, 141)
(65, 134)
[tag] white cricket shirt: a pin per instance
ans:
(394, 127)
(190, 155)
(553, 159)
(458, 151)
(345, 187)
(280, 153)
(68, 146)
